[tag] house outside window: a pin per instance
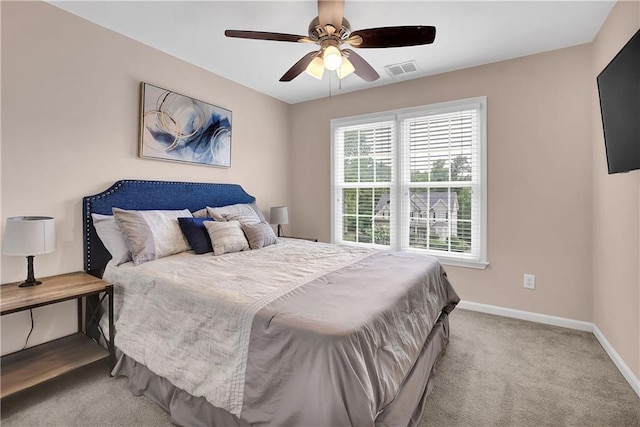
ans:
(413, 179)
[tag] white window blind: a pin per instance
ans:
(364, 168)
(413, 179)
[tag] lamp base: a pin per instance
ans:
(31, 280)
(28, 283)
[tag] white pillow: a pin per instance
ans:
(152, 234)
(226, 237)
(250, 209)
(112, 238)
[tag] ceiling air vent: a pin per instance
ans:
(399, 70)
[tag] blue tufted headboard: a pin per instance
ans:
(147, 195)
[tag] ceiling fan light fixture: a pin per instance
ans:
(332, 58)
(345, 69)
(316, 68)
(330, 30)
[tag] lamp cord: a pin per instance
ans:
(27, 340)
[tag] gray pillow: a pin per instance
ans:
(152, 234)
(202, 213)
(241, 208)
(227, 237)
(259, 235)
(242, 217)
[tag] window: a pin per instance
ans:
(413, 179)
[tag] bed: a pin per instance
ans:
(293, 334)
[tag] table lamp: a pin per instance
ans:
(279, 215)
(29, 236)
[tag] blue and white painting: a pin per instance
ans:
(176, 127)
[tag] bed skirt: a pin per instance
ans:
(187, 410)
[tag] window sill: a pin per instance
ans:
(478, 265)
(455, 262)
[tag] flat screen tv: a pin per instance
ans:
(619, 90)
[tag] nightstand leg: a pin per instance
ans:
(80, 322)
(112, 347)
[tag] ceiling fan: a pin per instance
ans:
(330, 30)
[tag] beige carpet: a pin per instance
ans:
(507, 372)
(496, 372)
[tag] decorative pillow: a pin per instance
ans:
(259, 235)
(247, 208)
(226, 237)
(202, 213)
(196, 234)
(152, 234)
(242, 217)
(112, 238)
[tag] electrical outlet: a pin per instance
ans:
(529, 281)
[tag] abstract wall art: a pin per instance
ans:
(178, 128)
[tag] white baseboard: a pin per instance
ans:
(617, 360)
(527, 315)
(624, 369)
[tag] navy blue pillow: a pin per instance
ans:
(196, 234)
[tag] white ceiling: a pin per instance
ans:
(467, 34)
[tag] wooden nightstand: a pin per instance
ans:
(35, 365)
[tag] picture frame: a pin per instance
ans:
(178, 128)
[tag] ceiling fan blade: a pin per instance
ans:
(363, 69)
(331, 12)
(299, 67)
(393, 36)
(263, 35)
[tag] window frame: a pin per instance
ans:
(401, 186)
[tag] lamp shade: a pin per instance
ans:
(279, 215)
(345, 69)
(29, 235)
(332, 58)
(316, 68)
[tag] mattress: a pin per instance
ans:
(297, 333)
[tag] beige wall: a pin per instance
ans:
(539, 167)
(616, 212)
(70, 104)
